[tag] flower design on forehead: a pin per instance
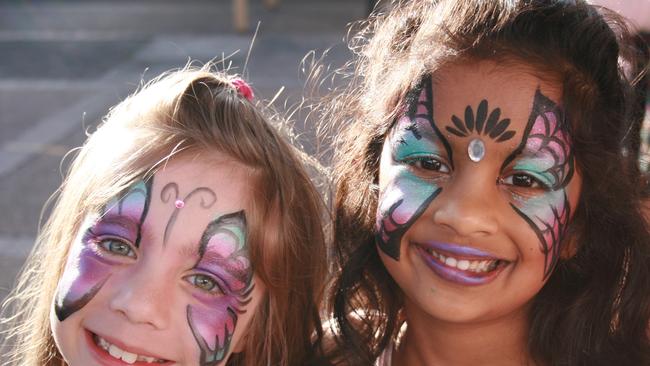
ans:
(481, 124)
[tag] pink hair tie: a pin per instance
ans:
(243, 88)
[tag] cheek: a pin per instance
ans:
(213, 321)
(84, 275)
(402, 201)
(548, 216)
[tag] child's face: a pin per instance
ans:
(163, 274)
(477, 186)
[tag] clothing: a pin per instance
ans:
(386, 357)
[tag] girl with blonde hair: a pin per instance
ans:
(187, 232)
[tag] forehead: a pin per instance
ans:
(207, 187)
(185, 196)
(510, 87)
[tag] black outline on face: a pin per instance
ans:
(209, 357)
(494, 128)
(166, 197)
(541, 106)
(392, 246)
(63, 307)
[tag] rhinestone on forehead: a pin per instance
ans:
(476, 150)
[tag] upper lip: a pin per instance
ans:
(459, 251)
(128, 348)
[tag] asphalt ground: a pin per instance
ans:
(64, 63)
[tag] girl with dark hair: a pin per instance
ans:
(487, 211)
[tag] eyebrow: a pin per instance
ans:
(538, 154)
(127, 222)
(212, 259)
(188, 250)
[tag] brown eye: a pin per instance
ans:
(522, 180)
(429, 164)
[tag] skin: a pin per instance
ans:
(514, 205)
(159, 280)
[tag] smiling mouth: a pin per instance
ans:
(474, 266)
(468, 271)
(123, 355)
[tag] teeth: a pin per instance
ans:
(451, 262)
(129, 357)
(464, 264)
(123, 355)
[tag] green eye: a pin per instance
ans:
(117, 247)
(205, 283)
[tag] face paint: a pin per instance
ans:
(208, 198)
(224, 258)
(88, 268)
(481, 124)
(545, 155)
(414, 140)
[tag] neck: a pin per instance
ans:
(430, 341)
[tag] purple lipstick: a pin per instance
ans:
(459, 264)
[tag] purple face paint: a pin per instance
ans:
(88, 267)
(224, 257)
(545, 155)
(413, 141)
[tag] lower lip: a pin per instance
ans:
(104, 358)
(456, 275)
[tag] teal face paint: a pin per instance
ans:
(545, 154)
(414, 140)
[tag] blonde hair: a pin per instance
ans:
(191, 110)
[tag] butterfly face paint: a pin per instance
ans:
(223, 253)
(161, 281)
(87, 269)
(545, 154)
(414, 139)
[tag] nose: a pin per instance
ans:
(142, 299)
(468, 207)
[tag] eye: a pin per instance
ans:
(205, 283)
(428, 164)
(523, 180)
(117, 247)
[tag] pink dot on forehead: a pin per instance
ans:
(179, 204)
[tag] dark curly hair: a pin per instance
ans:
(595, 307)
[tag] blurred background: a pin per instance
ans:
(65, 62)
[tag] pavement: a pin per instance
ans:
(64, 63)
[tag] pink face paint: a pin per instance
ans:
(87, 269)
(224, 255)
(404, 199)
(545, 154)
